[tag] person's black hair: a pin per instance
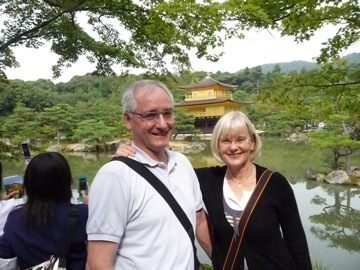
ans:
(47, 182)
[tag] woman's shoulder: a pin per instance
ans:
(63, 208)
(63, 212)
(277, 180)
(82, 208)
(275, 174)
(12, 214)
(210, 177)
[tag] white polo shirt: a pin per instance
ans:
(124, 208)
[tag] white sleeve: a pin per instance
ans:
(108, 204)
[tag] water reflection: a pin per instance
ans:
(338, 223)
(330, 213)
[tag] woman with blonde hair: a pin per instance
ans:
(274, 238)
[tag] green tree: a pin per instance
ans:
(57, 120)
(183, 123)
(110, 114)
(337, 138)
(299, 19)
(7, 152)
(7, 99)
(94, 131)
(240, 95)
(33, 94)
(40, 96)
(21, 125)
(127, 33)
(107, 33)
(334, 88)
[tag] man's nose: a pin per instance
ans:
(161, 120)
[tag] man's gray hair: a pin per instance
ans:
(128, 100)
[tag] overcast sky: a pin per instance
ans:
(256, 49)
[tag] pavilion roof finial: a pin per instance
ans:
(208, 75)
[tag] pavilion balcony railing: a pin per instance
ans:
(191, 97)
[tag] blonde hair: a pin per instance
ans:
(234, 121)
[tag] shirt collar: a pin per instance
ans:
(144, 158)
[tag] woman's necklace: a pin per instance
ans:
(238, 183)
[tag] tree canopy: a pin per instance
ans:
(152, 34)
(129, 33)
(299, 19)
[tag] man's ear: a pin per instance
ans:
(127, 121)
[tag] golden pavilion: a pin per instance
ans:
(208, 100)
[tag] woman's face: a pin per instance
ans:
(236, 147)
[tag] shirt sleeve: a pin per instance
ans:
(108, 205)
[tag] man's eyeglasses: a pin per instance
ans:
(154, 116)
(238, 142)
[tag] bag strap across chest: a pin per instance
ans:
(143, 171)
(244, 219)
(64, 250)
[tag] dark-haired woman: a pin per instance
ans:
(36, 230)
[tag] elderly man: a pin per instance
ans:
(130, 225)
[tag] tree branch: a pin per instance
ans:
(53, 3)
(326, 85)
(22, 35)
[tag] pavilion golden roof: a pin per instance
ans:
(206, 82)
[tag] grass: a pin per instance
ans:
(318, 265)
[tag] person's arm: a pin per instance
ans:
(84, 195)
(291, 225)
(101, 255)
(202, 232)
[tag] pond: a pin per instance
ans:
(330, 213)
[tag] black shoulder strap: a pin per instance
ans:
(73, 216)
(166, 194)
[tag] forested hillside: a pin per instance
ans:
(88, 108)
(288, 67)
(299, 66)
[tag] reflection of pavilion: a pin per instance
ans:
(208, 100)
